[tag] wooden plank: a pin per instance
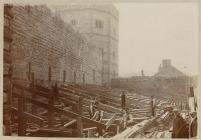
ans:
(7, 118)
(50, 111)
(52, 133)
(109, 108)
(70, 103)
(103, 107)
(70, 114)
(30, 117)
(7, 56)
(140, 119)
(93, 94)
(69, 96)
(79, 119)
(21, 117)
(90, 131)
(90, 128)
(110, 121)
(131, 132)
(69, 123)
(79, 127)
(41, 88)
(33, 108)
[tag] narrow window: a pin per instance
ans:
(64, 76)
(94, 76)
(83, 78)
(32, 78)
(99, 24)
(74, 76)
(49, 74)
(29, 71)
(73, 22)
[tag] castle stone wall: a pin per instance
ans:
(43, 44)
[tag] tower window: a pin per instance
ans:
(64, 76)
(99, 24)
(94, 76)
(73, 22)
(29, 72)
(50, 74)
(83, 78)
(75, 76)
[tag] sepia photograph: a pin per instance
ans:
(101, 70)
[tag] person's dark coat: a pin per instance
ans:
(194, 128)
(180, 129)
(123, 101)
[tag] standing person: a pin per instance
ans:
(123, 101)
(125, 118)
(91, 110)
(180, 129)
(98, 116)
(193, 126)
(152, 106)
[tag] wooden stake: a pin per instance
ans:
(33, 108)
(50, 111)
(79, 119)
(7, 121)
(21, 118)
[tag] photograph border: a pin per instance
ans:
(58, 2)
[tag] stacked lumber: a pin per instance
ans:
(148, 128)
(56, 117)
(64, 111)
(131, 132)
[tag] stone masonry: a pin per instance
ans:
(99, 25)
(45, 47)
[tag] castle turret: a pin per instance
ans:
(99, 25)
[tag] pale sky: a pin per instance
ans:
(150, 32)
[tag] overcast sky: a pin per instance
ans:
(150, 32)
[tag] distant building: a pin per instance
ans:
(99, 25)
(167, 70)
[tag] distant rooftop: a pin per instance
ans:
(167, 70)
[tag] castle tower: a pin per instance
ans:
(99, 25)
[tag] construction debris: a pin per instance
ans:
(70, 110)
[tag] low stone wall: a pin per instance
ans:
(156, 86)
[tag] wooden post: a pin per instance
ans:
(79, 119)
(29, 72)
(152, 107)
(64, 76)
(117, 132)
(8, 118)
(50, 111)
(33, 108)
(21, 116)
(50, 74)
(90, 131)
